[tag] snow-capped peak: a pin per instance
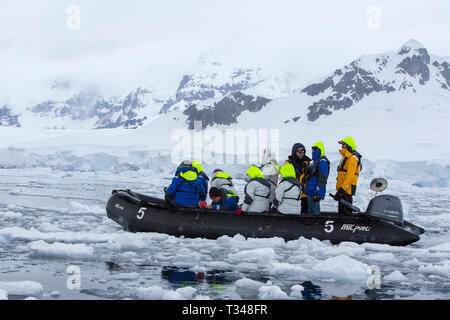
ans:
(214, 76)
(413, 44)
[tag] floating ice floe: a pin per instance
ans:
(49, 227)
(439, 269)
(290, 271)
(128, 242)
(248, 284)
(395, 276)
(79, 208)
(441, 247)
(296, 291)
(22, 288)
(16, 233)
(344, 248)
(10, 215)
(271, 292)
(125, 276)
(42, 249)
(341, 268)
(3, 295)
(387, 257)
(158, 293)
(260, 256)
(55, 294)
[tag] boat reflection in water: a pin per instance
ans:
(311, 291)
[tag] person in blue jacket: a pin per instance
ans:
(202, 176)
(222, 199)
(186, 188)
(317, 175)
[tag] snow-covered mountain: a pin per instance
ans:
(7, 118)
(407, 76)
(407, 69)
(211, 80)
(393, 103)
(61, 104)
(91, 110)
(226, 111)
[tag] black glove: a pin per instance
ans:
(168, 197)
(339, 195)
(316, 198)
(276, 203)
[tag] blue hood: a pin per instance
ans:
(316, 155)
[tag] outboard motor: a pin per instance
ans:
(386, 207)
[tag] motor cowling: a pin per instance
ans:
(386, 207)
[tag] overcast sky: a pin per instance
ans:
(117, 39)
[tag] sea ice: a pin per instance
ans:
(260, 255)
(248, 284)
(127, 242)
(387, 257)
(395, 276)
(3, 295)
(342, 268)
(271, 292)
(22, 288)
(42, 249)
(158, 293)
(296, 291)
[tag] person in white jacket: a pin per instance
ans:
(221, 179)
(270, 168)
(288, 193)
(257, 191)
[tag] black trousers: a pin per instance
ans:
(343, 209)
(304, 202)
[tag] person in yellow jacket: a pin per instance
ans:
(348, 172)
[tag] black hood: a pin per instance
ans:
(295, 147)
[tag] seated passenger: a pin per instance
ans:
(222, 179)
(288, 193)
(223, 199)
(270, 170)
(186, 188)
(202, 176)
(257, 191)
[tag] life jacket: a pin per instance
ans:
(314, 170)
(300, 170)
(295, 183)
(344, 181)
(224, 176)
(187, 177)
(263, 182)
(344, 159)
(231, 193)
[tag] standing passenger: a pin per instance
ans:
(300, 161)
(348, 172)
(317, 178)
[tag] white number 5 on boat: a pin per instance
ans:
(329, 227)
(141, 213)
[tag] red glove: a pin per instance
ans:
(239, 211)
(202, 204)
